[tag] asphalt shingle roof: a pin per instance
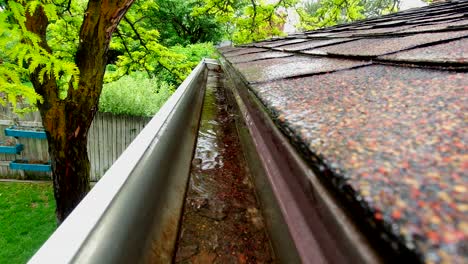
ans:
(382, 103)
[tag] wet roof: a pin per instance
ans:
(383, 104)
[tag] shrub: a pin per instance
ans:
(191, 55)
(134, 94)
(195, 52)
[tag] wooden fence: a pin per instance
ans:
(108, 137)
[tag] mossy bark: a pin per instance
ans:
(67, 121)
(70, 170)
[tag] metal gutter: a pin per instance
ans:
(132, 214)
(319, 229)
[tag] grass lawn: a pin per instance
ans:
(27, 219)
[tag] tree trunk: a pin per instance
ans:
(70, 166)
(67, 121)
(73, 185)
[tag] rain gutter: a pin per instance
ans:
(132, 214)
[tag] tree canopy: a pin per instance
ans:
(145, 39)
(323, 13)
(179, 26)
(248, 20)
(254, 20)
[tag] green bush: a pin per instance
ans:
(191, 55)
(195, 52)
(134, 94)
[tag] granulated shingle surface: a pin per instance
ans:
(395, 136)
(257, 56)
(452, 52)
(387, 114)
(373, 31)
(233, 53)
(279, 68)
(312, 44)
(433, 27)
(381, 46)
(284, 42)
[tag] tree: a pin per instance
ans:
(67, 88)
(178, 25)
(249, 20)
(323, 13)
(158, 38)
(254, 20)
(136, 41)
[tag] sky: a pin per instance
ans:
(406, 4)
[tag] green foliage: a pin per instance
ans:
(63, 35)
(137, 40)
(171, 65)
(134, 94)
(191, 55)
(249, 20)
(139, 45)
(179, 26)
(324, 13)
(14, 91)
(27, 219)
(373, 8)
(22, 53)
(258, 22)
(136, 44)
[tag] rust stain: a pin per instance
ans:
(163, 240)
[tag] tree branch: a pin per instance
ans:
(68, 7)
(254, 5)
(91, 56)
(117, 31)
(37, 23)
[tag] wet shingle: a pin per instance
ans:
(372, 31)
(238, 52)
(279, 68)
(433, 19)
(397, 137)
(226, 49)
(257, 56)
(320, 34)
(283, 42)
(381, 46)
(312, 44)
(451, 52)
(390, 23)
(437, 27)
